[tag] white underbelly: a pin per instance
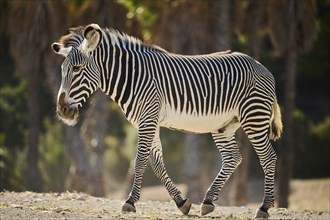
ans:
(194, 123)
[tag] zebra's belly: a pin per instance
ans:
(196, 123)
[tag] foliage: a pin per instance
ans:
(319, 53)
(314, 70)
(312, 147)
(10, 177)
(144, 11)
(12, 103)
(318, 154)
(77, 3)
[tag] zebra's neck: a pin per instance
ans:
(123, 67)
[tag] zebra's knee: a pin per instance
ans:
(269, 165)
(230, 166)
(273, 158)
(273, 161)
(237, 160)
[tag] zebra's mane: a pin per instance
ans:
(122, 39)
(75, 38)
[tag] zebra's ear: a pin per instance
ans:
(93, 37)
(59, 49)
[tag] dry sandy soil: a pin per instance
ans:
(311, 200)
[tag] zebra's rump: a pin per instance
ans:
(207, 94)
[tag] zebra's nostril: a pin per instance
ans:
(65, 110)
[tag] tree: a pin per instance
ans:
(249, 21)
(33, 20)
(200, 29)
(87, 144)
(223, 34)
(30, 19)
(169, 36)
(292, 31)
(79, 177)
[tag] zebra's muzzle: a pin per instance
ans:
(66, 112)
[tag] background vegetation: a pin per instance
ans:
(39, 153)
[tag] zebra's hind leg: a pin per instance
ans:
(231, 158)
(268, 159)
(157, 164)
(267, 156)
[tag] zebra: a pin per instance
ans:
(214, 93)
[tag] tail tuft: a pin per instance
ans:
(276, 125)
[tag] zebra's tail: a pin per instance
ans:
(276, 126)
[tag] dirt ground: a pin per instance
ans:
(310, 200)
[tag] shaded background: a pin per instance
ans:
(38, 153)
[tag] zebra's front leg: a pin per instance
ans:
(158, 166)
(146, 135)
(231, 158)
(139, 168)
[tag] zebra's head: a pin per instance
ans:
(80, 73)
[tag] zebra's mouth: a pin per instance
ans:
(68, 114)
(67, 111)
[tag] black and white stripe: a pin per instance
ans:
(214, 93)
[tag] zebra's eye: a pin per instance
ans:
(76, 68)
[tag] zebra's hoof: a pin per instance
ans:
(128, 207)
(185, 207)
(206, 208)
(263, 214)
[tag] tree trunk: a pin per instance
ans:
(286, 152)
(80, 169)
(27, 53)
(193, 166)
(190, 22)
(239, 193)
(87, 145)
(32, 175)
(195, 21)
(83, 176)
(93, 133)
(221, 11)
